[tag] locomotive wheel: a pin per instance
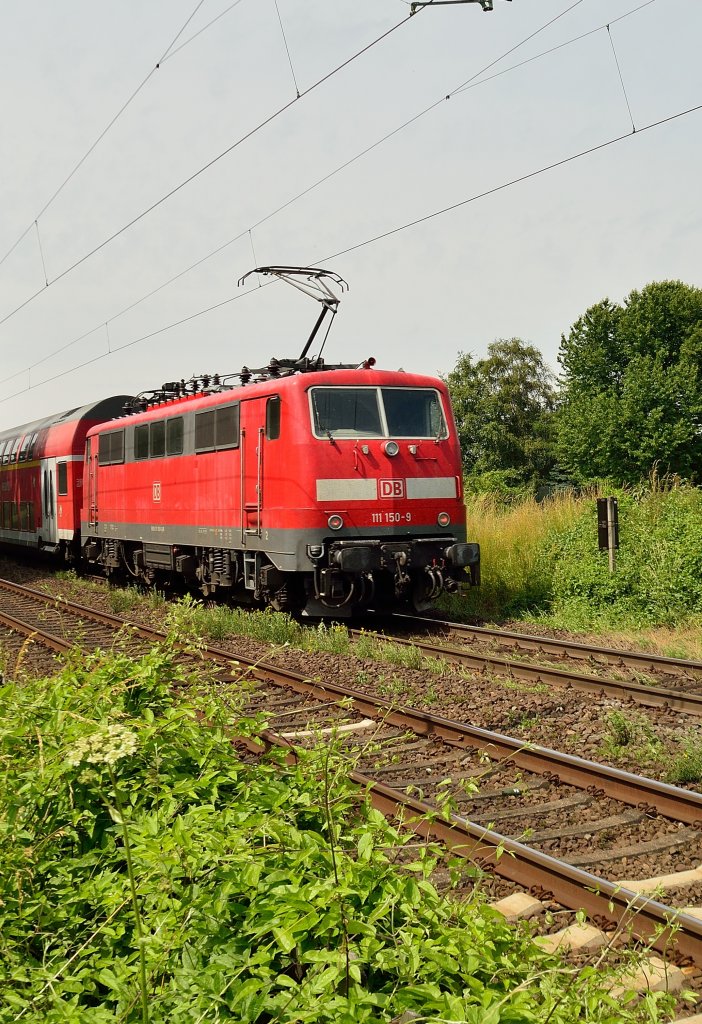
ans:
(289, 598)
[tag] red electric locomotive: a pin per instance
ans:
(329, 489)
(302, 486)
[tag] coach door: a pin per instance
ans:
(251, 444)
(49, 519)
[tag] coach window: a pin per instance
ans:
(26, 512)
(174, 436)
(27, 448)
(12, 457)
(62, 478)
(273, 418)
(3, 446)
(141, 441)
(8, 448)
(204, 431)
(157, 439)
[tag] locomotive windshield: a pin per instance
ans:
(377, 412)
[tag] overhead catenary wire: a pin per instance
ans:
(143, 337)
(621, 79)
(248, 231)
(287, 48)
(101, 136)
(41, 250)
(386, 234)
(171, 52)
(205, 167)
(513, 181)
(470, 84)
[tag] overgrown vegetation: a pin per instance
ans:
(149, 872)
(518, 551)
(542, 559)
(687, 766)
(217, 623)
(631, 735)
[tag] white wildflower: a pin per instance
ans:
(106, 745)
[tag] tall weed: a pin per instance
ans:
(518, 549)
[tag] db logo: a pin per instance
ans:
(157, 490)
(391, 488)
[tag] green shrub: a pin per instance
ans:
(150, 873)
(542, 558)
(658, 577)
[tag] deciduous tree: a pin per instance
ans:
(503, 406)
(632, 386)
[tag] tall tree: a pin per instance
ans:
(503, 406)
(632, 386)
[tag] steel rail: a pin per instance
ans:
(641, 660)
(650, 696)
(634, 790)
(606, 902)
(50, 640)
(662, 926)
(571, 886)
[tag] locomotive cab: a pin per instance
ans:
(387, 486)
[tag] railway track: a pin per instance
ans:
(567, 829)
(685, 696)
(642, 661)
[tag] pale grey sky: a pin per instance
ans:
(526, 260)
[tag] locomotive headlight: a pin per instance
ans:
(335, 522)
(391, 448)
(443, 519)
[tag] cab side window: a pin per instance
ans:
(273, 418)
(111, 448)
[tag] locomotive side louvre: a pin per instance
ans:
(333, 489)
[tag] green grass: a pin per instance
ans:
(219, 623)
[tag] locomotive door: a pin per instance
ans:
(91, 470)
(49, 519)
(253, 413)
